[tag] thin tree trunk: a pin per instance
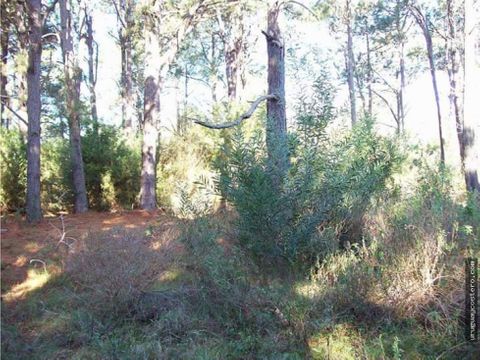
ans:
(401, 89)
(92, 73)
(233, 43)
(423, 23)
(185, 100)
(437, 96)
(34, 210)
(369, 76)
(73, 75)
(20, 79)
(453, 68)
(276, 117)
(470, 136)
(125, 13)
(4, 39)
(213, 70)
(350, 65)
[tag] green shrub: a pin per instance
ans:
(184, 175)
(112, 168)
(323, 198)
(13, 155)
(57, 191)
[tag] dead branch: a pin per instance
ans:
(245, 116)
(16, 114)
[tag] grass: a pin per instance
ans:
(196, 294)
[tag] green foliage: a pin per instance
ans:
(13, 150)
(112, 168)
(184, 176)
(57, 193)
(329, 187)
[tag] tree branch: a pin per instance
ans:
(301, 5)
(119, 16)
(245, 116)
(16, 114)
(48, 10)
(388, 105)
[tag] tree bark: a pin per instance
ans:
(423, 23)
(125, 10)
(350, 64)
(92, 68)
(369, 76)
(4, 40)
(73, 75)
(20, 79)
(453, 51)
(401, 88)
(148, 196)
(276, 117)
(471, 126)
(34, 209)
(157, 62)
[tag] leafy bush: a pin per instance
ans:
(184, 174)
(13, 152)
(112, 168)
(323, 198)
(57, 188)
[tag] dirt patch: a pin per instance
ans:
(21, 242)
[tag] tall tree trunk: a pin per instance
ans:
(73, 76)
(276, 117)
(422, 21)
(92, 68)
(471, 126)
(369, 76)
(20, 78)
(453, 50)
(126, 23)
(34, 210)
(232, 72)
(213, 70)
(401, 89)
(431, 63)
(4, 39)
(157, 62)
(151, 116)
(350, 64)
(232, 34)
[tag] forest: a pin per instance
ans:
(240, 179)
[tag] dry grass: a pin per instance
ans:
(117, 268)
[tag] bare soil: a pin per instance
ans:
(22, 242)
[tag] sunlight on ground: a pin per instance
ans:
(170, 275)
(32, 247)
(335, 344)
(310, 290)
(35, 280)
(21, 261)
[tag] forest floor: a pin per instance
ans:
(22, 243)
(203, 297)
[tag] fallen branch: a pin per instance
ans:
(245, 116)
